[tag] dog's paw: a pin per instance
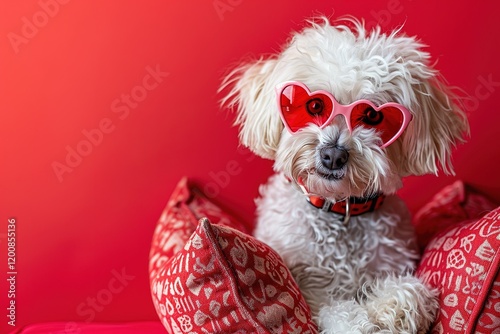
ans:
(344, 317)
(401, 305)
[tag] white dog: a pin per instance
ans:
(345, 113)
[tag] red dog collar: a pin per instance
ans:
(354, 206)
(357, 206)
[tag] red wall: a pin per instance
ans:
(132, 86)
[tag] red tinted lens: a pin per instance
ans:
(299, 107)
(387, 120)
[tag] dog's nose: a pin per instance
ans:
(333, 157)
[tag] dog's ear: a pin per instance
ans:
(439, 123)
(252, 94)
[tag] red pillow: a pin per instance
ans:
(179, 220)
(463, 263)
(454, 204)
(214, 279)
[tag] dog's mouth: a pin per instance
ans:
(332, 175)
(326, 183)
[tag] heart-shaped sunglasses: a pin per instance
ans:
(299, 107)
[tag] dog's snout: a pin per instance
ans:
(333, 157)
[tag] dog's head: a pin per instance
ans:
(347, 112)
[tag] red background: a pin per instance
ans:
(74, 231)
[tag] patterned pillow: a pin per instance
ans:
(454, 204)
(178, 221)
(209, 278)
(463, 263)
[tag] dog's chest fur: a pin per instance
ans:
(327, 257)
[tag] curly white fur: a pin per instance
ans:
(356, 277)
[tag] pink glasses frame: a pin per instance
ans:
(344, 110)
